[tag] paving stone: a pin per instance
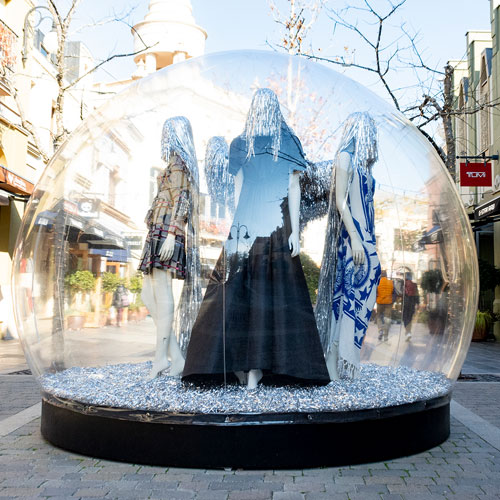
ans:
(304, 487)
(372, 488)
(91, 492)
(212, 495)
(327, 496)
(288, 495)
(250, 495)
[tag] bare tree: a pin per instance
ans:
(62, 22)
(297, 18)
(392, 49)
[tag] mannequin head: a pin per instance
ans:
(264, 118)
(360, 129)
(217, 176)
(177, 136)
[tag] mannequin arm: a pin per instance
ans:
(179, 187)
(341, 187)
(293, 209)
(238, 183)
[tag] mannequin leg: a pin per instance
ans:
(254, 377)
(148, 296)
(158, 298)
(242, 377)
(176, 357)
(332, 362)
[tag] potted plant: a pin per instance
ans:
(484, 320)
(133, 312)
(79, 283)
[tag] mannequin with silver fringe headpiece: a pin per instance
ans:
(256, 319)
(220, 182)
(350, 270)
(171, 248)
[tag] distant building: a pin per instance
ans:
(32, 76)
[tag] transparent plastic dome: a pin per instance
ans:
(84, 231)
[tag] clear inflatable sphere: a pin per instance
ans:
(245, 220)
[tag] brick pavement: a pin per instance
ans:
(482, 398)
(464, 467)
(18, 392)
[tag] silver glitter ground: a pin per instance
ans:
(126, 386)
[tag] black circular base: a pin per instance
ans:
(265, 441)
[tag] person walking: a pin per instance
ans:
(120, 301)
(385, 292)
(411, 300)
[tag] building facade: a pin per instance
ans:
(477, 133)
(28, 92)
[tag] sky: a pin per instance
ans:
(243, 24)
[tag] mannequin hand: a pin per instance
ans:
(167, 248)
(294, 244)
(358, 252)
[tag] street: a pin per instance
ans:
(467, 466)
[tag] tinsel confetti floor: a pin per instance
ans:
(127, 386)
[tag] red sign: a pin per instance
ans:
(13, 183)
(476, 174)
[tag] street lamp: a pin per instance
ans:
(238, 228)
(50, 40)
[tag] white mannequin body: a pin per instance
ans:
(158, 297)
(253, 377)
(358, 253)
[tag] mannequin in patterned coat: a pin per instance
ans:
(164, 254)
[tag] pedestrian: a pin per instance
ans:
(411, 300)
(120, 301)
(385, 294)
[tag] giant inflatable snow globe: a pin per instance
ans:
(245, 260)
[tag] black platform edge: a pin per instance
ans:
(240, 441)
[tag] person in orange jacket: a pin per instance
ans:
(384, 306)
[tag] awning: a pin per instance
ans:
(4, 198)
(433, 236)
(14, 183)
(79, 230)
(113, 255)
(73, 225)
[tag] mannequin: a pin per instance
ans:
(351, 231)
(164, 254)
(256, 319)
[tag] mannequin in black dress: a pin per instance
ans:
(256, 319)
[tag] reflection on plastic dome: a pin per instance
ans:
(159, 268)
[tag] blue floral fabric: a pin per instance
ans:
(355, 288)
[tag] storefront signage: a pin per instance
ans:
(134, 242)
(13, 183)
(475, 174)
(70, 207)
(88, 208)
(488, 209)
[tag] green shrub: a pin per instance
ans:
(110, 282)
(81, 281)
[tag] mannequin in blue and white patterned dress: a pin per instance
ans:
(357, 269)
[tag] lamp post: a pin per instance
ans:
(50, 40)
(238, 227)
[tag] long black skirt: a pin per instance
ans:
(257, 314)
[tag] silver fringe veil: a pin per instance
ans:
(360, 132)
(315, 186)
(264, 118)
(177, 137)
(220, 182)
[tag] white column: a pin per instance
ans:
(150, 63)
